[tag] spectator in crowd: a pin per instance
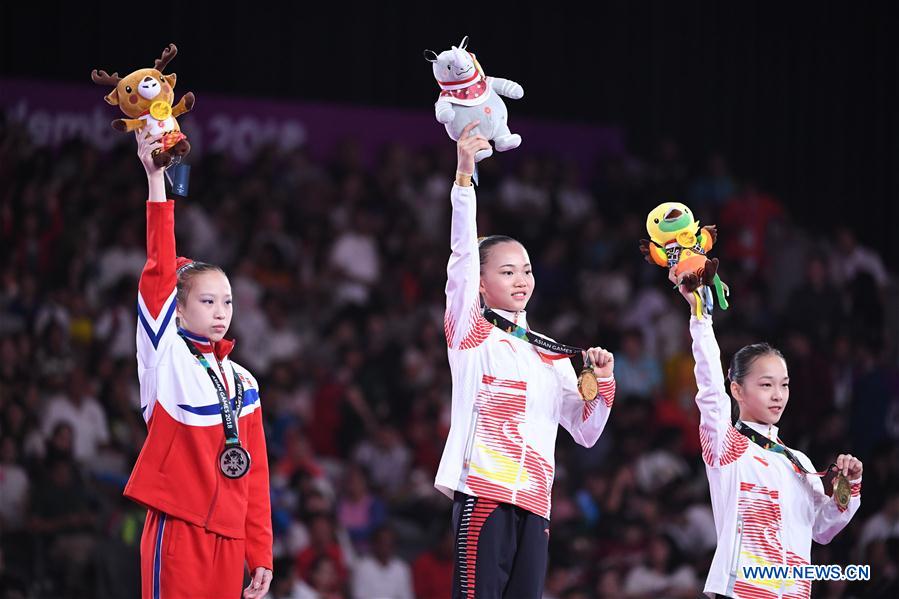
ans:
(323, 581)
(661, 577)
(323, 543)
(432, 571)
(637, 372)
(64, 519)
(83, 413)
(849, 259)
(386, 458)
(382, 573)
(13, 488)
(355, 260)
(882, 527)
(359, 512)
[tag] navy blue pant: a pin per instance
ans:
(501, 550)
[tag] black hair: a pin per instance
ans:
(742, 362)
(383, 529)
(187, 272)
(485, 243)
(745, 357)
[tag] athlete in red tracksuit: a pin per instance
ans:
(202, 526)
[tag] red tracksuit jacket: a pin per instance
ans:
(177, 471)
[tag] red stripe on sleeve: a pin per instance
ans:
(158, 279)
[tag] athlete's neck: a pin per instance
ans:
(769, 430)
(516, 316)
(193, 336)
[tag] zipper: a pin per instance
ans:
(783, 547)
(735, 557)
(524, 444)
(224, 378)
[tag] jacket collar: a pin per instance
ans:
(220, 349)
(769, 431)
(519, 318)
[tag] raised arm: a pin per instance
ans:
(721, 443)
(156, 289)
(463, 272)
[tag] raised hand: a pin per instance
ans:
(684, 290)
(155, 180)
(145, 148)
(469, 145)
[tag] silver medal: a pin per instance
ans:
(234, 462)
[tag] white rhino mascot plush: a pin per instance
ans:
(468, 95)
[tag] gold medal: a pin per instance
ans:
(842, 491)
(587, 384)
(686, 239)
(160, 110)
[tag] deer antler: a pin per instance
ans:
(167, 55)
(104, 78)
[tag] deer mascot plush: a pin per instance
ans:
(146, 97)
(467, 95)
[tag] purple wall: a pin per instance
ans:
(56, 112)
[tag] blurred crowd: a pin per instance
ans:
(338, 272)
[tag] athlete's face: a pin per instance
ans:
(506, 278)
(765, 390)
(207, 311)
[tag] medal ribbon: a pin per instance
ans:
(843, 488)
(507, 326)
(560, 350)
(229, 417)
(774, 446)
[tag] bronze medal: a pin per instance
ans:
(842, 492)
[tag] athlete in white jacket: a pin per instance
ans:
(767, 510)
(509, 398)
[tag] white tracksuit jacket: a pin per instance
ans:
(766, 512)
(508, 397)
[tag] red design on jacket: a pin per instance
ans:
(177, 471)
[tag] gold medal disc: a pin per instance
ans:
(587, 385)
(686, 239)
(160, 110)
(843, 491)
